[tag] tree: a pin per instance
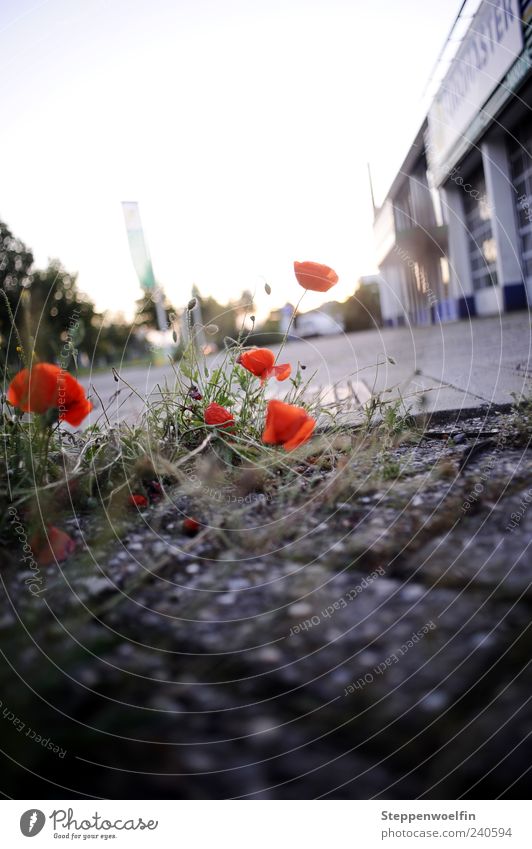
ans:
(362, 311)
(228, 318)
(146, 313)
(15, 270)
(60, 314)
(119, 341)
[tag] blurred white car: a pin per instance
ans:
(317, 324)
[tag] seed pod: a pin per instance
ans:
(191, 304)
(195, 394)
(267, 288)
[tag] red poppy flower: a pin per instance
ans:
(260, 362)
(287, 425)
(46, 386)
(217, 415)
(315, 276)
(54, 545)
(137, 500)
(190, 526)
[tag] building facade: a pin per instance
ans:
(454, 233)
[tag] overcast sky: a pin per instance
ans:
(242, 127)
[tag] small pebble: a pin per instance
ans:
(483, 640)
(269, 654)
(300, 608)
(227, 598)
(263, 726)
(238, 584)
(435, 701)
(412, 591)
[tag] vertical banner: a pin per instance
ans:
(141, 258)
(137, 245)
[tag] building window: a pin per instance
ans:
(520, 154)
(482, 248)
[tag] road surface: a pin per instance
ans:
(457, 365)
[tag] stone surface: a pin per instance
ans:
(379, 646)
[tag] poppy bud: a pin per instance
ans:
(138, 500)
(191, 304)
(190, 526)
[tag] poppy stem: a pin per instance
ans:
(20, 346)
(44, 455)
(290, 323)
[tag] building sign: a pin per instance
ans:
(490, 47)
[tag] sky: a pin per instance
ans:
(242, 127)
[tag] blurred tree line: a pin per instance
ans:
(224, 321)
(52, 316)
(229, 319)
(362, 311)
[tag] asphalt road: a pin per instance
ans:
(458, 365)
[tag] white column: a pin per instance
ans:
(502, 199)
(460, 282)
(391, 292)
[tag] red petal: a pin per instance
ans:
(35, 390)
(138, 500)
(259, 361)
(217, 415)
(191, 526)
(283, 421)
(54, 546)
(46, 386)
(282, 371)
(315, 276)
(303, 434)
